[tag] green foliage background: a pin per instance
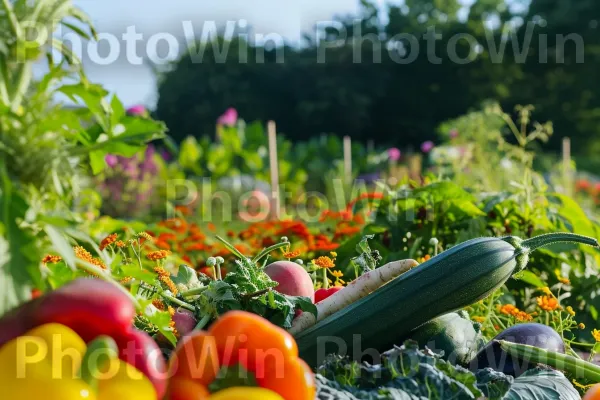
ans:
(402, 104)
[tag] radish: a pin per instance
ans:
(356, 290)
(292, 278)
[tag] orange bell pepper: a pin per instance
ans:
(240, 349)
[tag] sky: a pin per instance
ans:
(135, 84)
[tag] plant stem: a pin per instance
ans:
(180, 303)
(229, 247)
(12, 19)
(325, 281)
(268, 250)
(574, 366)
(202, 323)
(194, 292)
(536, 242)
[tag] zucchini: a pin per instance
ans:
(454, 279)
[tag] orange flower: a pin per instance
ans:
(107, 241)
(522, 316)
(158, 304)
(548, 303)
(211, 227)
(161, 244)
(324, 262)
(165, 278)
(126, 280)
(184, 210)
(291, 254)
(158, 255)
(51, 259)
(86, 256)
(508, 309)
(120, 244)
(479, 319)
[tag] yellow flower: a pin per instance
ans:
(548, 303)
(337, 274)
(324, 262)
(564, 280)
(333, 254)
(547, 291)
(581, 325)
(571, 311)
(479, 319)
(86, 256)
(596, 335)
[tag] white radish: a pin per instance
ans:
(356, 290)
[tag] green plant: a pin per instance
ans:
(47, 149)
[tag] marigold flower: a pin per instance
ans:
(596, 335)
(120, 244)
(291, 254)
(145, 235)
(522, 316)
(159, 304)
(158, 255)
(86, 256)
(51, 259)
(126, 280)
(508, 309)
(547, 291)
(107, 241)
(165, 278)
(324, 262)
(548, 303)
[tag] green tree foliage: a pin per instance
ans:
(394, 89)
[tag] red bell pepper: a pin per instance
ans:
(322, 294)
(91, 308)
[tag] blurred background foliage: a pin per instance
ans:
(402, 104)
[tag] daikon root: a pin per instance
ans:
(356, 290)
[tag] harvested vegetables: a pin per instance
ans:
(356, 290)
(53, 362)
(240, 349)
(91, 308)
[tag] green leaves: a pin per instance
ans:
(409, 373)
(15, 267)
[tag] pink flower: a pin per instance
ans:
(453, 133)
(137, 111)
(229, 117)
(111, 160)
(394, 154)
(427, 146)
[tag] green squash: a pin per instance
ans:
(454, 334)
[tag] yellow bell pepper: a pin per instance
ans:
(245, 393)
(52, 362)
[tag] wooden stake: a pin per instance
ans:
(348, 159)
(274, 167)
(566, 158)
